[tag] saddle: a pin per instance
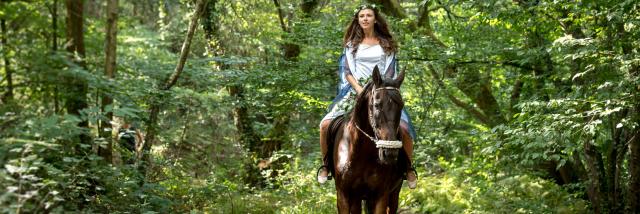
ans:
(334, 127)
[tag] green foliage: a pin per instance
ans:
(468, 189)
(575, 89)
(42, 173)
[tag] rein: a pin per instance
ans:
(387, 144)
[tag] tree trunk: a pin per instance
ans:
(391, 7)
(469, 108)
(76, 92)
(633, 203)
(595, 169)
(515, 96)
(248, 137)
(242, 121)
(211, 27)
(146, 11)
(307, 7)
(54, 49)
(634, 171)
(167, 9)
(8, 96)
(291, 51)
(170, 82)
(615, 156)
(153, 9)
(424, 22)
(110, 68)
(93, 8)
(633, 136)
(478, 89)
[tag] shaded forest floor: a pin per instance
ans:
(454, 189)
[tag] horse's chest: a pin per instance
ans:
(360, 170)
(367, 182)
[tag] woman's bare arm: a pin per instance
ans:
(354, 83)
(352, 80)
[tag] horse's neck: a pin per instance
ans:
(360, 119)
(360, 114)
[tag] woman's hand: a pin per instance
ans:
(358, 89)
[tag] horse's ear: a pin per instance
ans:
(377, 78)
(400, 78)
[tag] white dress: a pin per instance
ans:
(367, 57)
(361, 68)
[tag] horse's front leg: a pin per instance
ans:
(349, 204)
(343, 202)
(394, 196)
(356, 205)
(381, 204)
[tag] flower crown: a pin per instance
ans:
(365, 6)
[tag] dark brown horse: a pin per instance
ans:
(366, 149)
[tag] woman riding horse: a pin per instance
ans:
(366, 150)
(367, 43)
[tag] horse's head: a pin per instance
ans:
(384, 106)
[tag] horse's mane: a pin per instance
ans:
(361, 102)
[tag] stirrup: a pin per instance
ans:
(328, 174)
(413, 168)
(411, 184)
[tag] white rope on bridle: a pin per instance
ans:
(387, 144)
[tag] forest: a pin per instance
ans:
(213, 106)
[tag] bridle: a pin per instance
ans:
(387, 144)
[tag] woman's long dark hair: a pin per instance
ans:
(354, 33)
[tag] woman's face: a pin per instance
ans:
(366, 19)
